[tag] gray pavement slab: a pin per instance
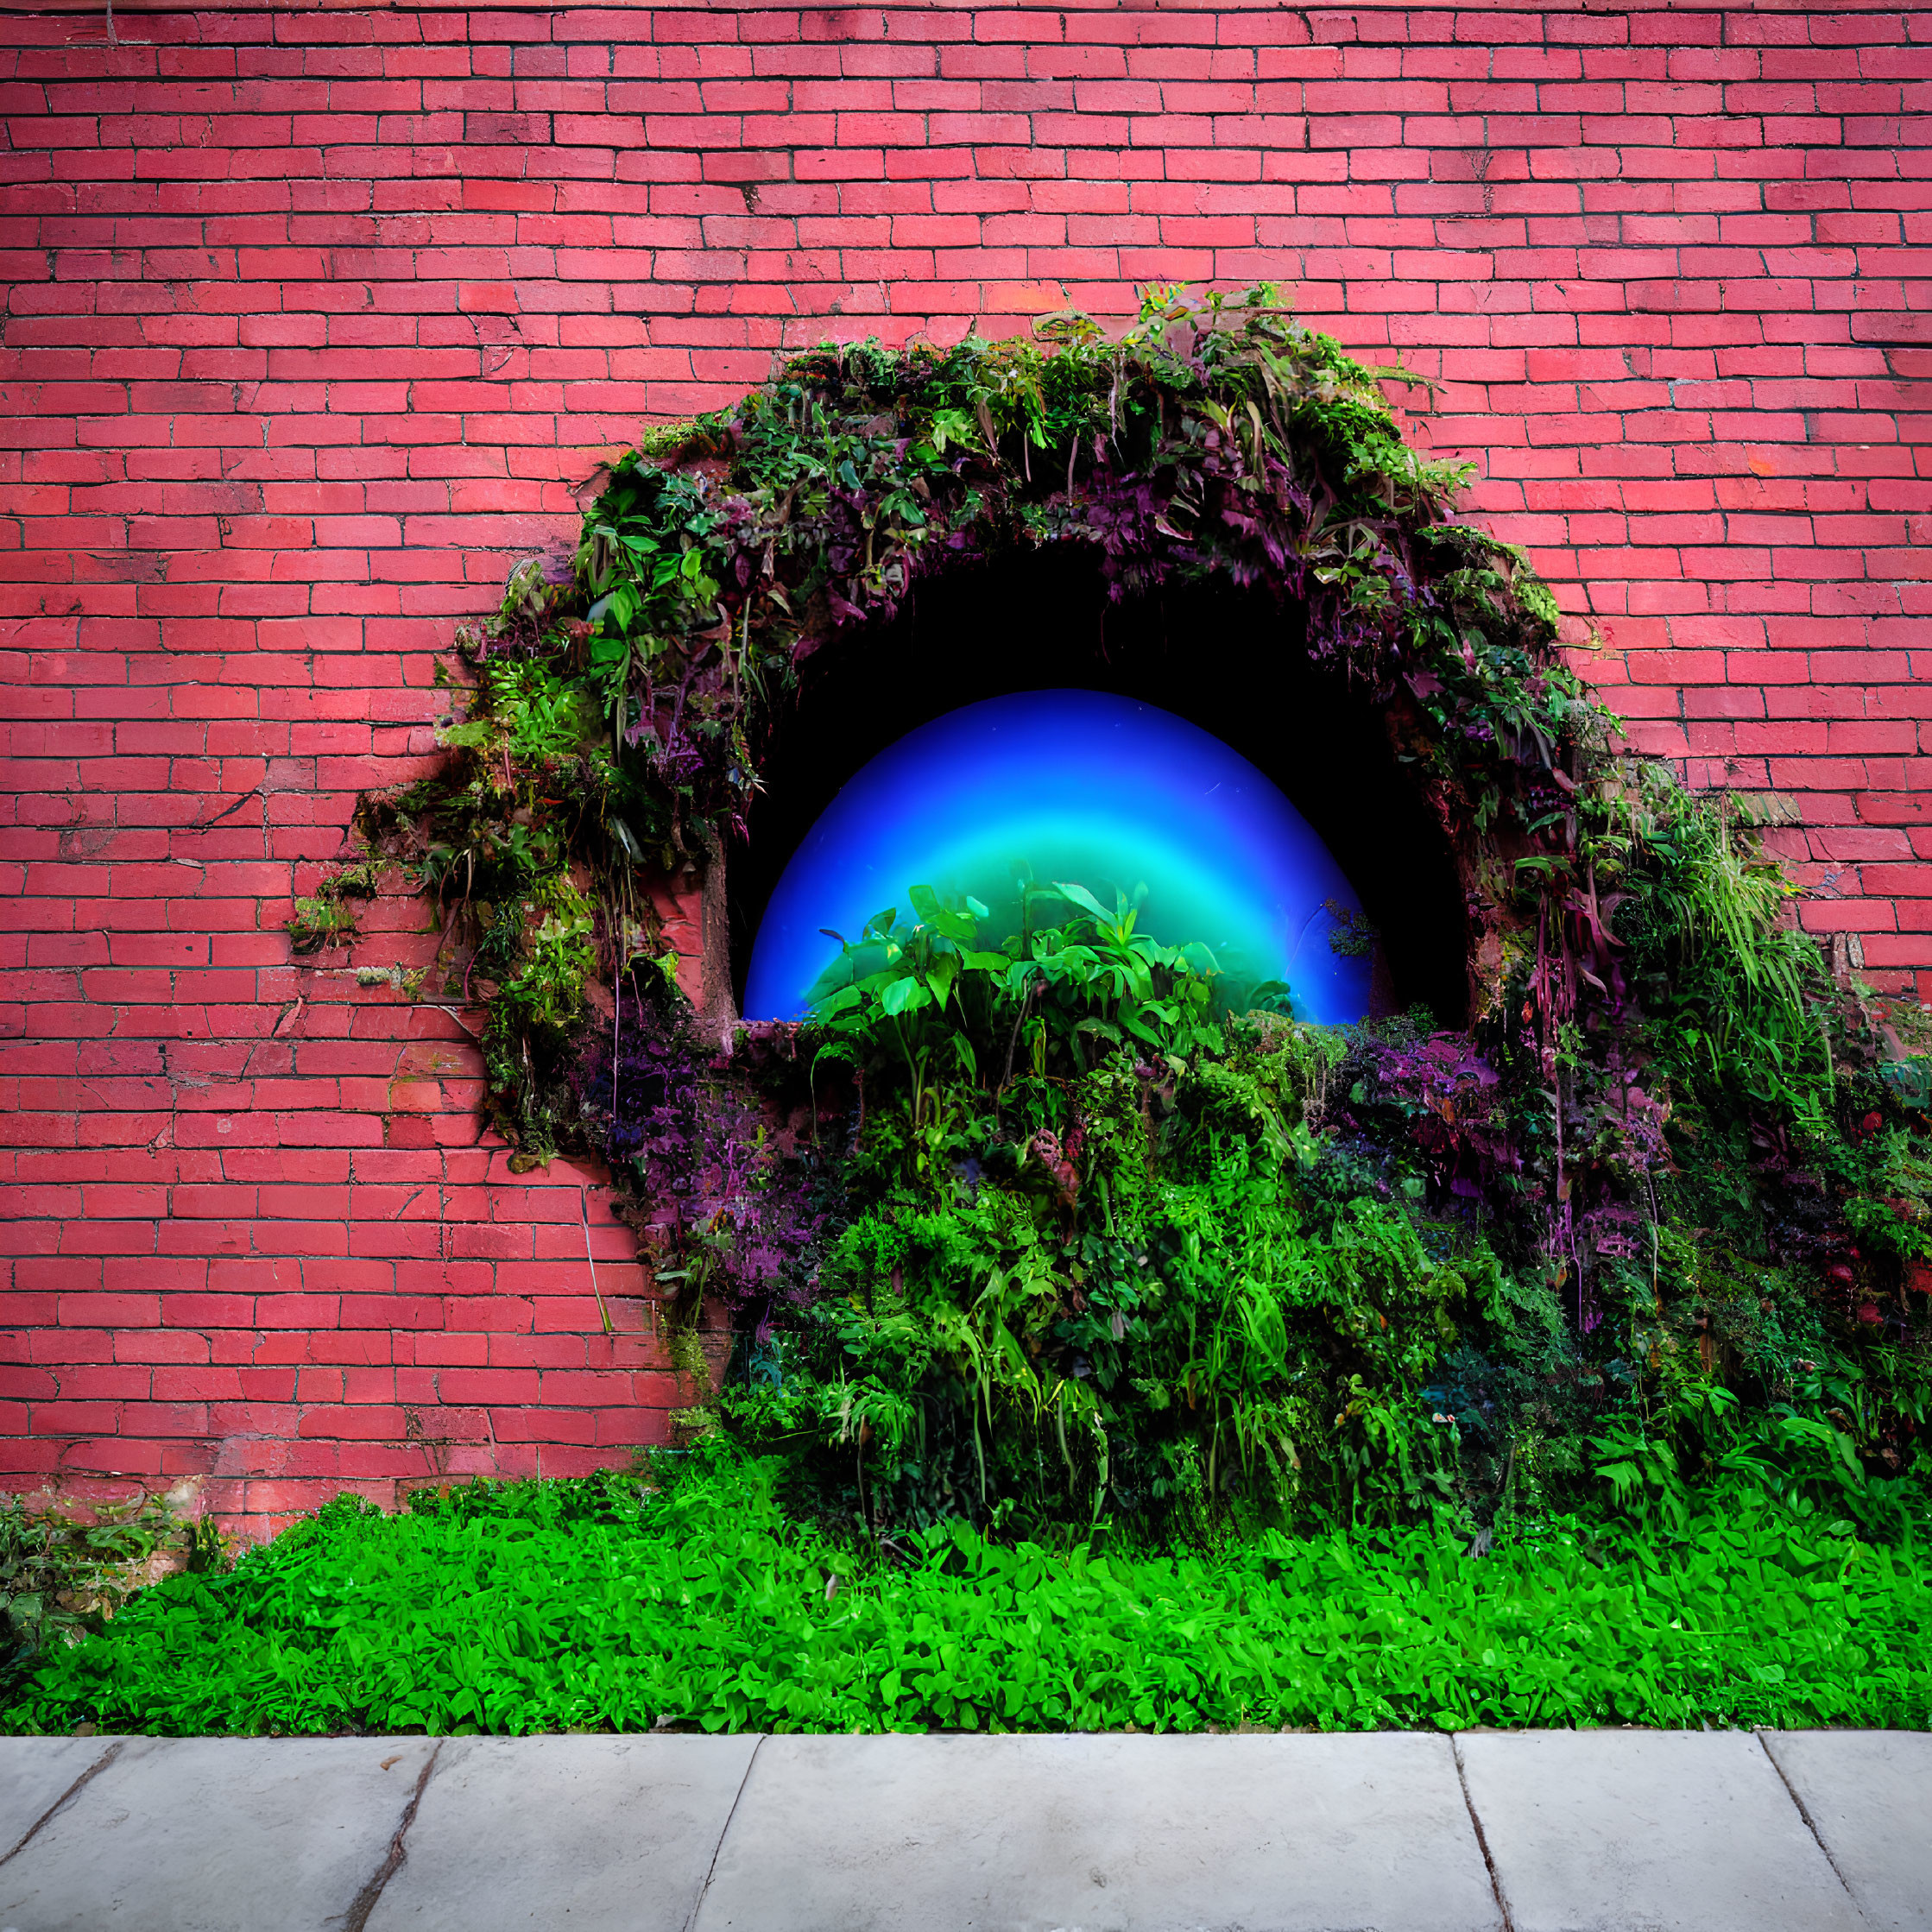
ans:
(1613, 1831)
(1268, 1833)
(217, 1834)
(1868, 1795)
(1639, 1831)
(35, 1773)
(589, 1832)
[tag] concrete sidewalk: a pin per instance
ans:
(1532, 1831)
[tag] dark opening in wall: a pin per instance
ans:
(1234, 663)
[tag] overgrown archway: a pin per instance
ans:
(1662, 1155)
(1217, 450)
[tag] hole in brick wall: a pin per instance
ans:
(995, 802)
(1234, 663)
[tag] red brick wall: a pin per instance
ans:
(315, 320)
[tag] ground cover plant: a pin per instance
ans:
(1067, 1279)
(63, 1573)
(699, 1602)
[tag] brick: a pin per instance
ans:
(306, 337)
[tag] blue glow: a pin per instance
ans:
(1081, 785)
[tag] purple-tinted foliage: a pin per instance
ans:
(761, 1197)
(516, 634)
(1454, 1099)
(1577, 1151)
(699, 1135)
(647, 1080)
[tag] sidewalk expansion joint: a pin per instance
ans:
(1810, 1824)
(697, 1904)
(68, 1797)
(356, 1917)
(1482, 1838)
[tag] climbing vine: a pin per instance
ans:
(1039, 1222)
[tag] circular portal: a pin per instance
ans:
(1041, 787)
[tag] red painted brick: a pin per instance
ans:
(435, 265)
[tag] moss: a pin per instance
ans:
(325, 919)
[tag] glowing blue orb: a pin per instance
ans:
(1069, 785)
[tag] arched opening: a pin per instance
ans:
(1233, 662)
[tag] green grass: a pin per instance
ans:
(603, 1605)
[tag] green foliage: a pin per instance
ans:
(325, 919)
(606, 1603)
(933, 1002)
(1654, 1466)
(645, 563)
(533, 717)
(624, 694)
(524, 845)
(1739, 1004)
(1095, 1260)
(63, 1575)
(1890, 1208)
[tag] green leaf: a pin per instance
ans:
(905, 996)
(929, 910)
(1083, 899)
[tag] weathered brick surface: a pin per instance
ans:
(315, 320)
